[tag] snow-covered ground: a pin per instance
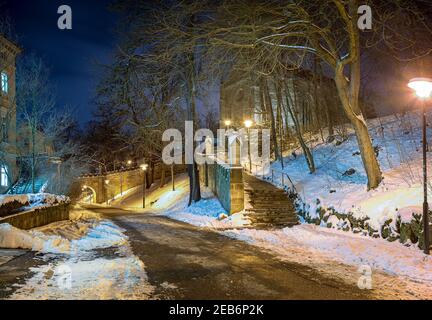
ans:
(205, 213)
(86, 258)
(397, 271)
(36, 199)
(398, 139)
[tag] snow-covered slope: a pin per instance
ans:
(397, 139)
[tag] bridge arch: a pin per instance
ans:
(88, 197)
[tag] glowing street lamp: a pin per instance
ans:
(421, 86)
(423, 90)
(248, 124)
(107, 182)
(227, 123)
(144, 169)
(129, 162)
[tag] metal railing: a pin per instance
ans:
(276, 177)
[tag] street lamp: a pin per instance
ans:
(423, 89)
(248, 124)
(144, 169)
(227, 124)
(107, 189)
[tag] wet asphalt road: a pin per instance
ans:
(185, 262)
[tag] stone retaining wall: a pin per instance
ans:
(120, 181)
(38, 217)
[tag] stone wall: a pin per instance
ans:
(113, 183)
(38, 217)
(226, 183)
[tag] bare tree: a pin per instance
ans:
(35, 102)
(327, 29)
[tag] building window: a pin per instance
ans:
(4, 181)
(4, 82)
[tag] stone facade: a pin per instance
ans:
(8, 152)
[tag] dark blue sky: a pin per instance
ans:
(72, 55)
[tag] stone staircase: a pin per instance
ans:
(267, 206)
(24, 186)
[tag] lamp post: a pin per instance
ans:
(172, 177)
(423, 89)
(121, 181)
(107, 191)
(248, 125)
(144, 169)
(227, 124)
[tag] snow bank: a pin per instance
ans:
(80, 279)
(11, 203)
(47, 199)
(104, 235)
(312, 245)
(13, 238)
(20, 198)
(99, 235)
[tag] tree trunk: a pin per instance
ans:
(306, 151)
(329, 117)
(172, 177)
(194, 181)
(348, 93)
(162, 180)
(151, 176)
(33, 164)
(270, 112)
(279, 118)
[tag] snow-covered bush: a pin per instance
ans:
(407, 229)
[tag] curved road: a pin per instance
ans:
(186, 262)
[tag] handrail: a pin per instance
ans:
(273, 173)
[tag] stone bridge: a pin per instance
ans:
(101, 188)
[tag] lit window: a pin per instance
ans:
(4, 82)
(3, 176)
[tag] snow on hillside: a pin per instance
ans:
(397, 138)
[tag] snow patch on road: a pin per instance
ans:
(89, 259)
(97, 279)
(103, 234)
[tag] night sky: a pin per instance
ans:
(72, 55)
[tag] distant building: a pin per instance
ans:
(8, 149)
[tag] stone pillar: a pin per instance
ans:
(236, 190)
